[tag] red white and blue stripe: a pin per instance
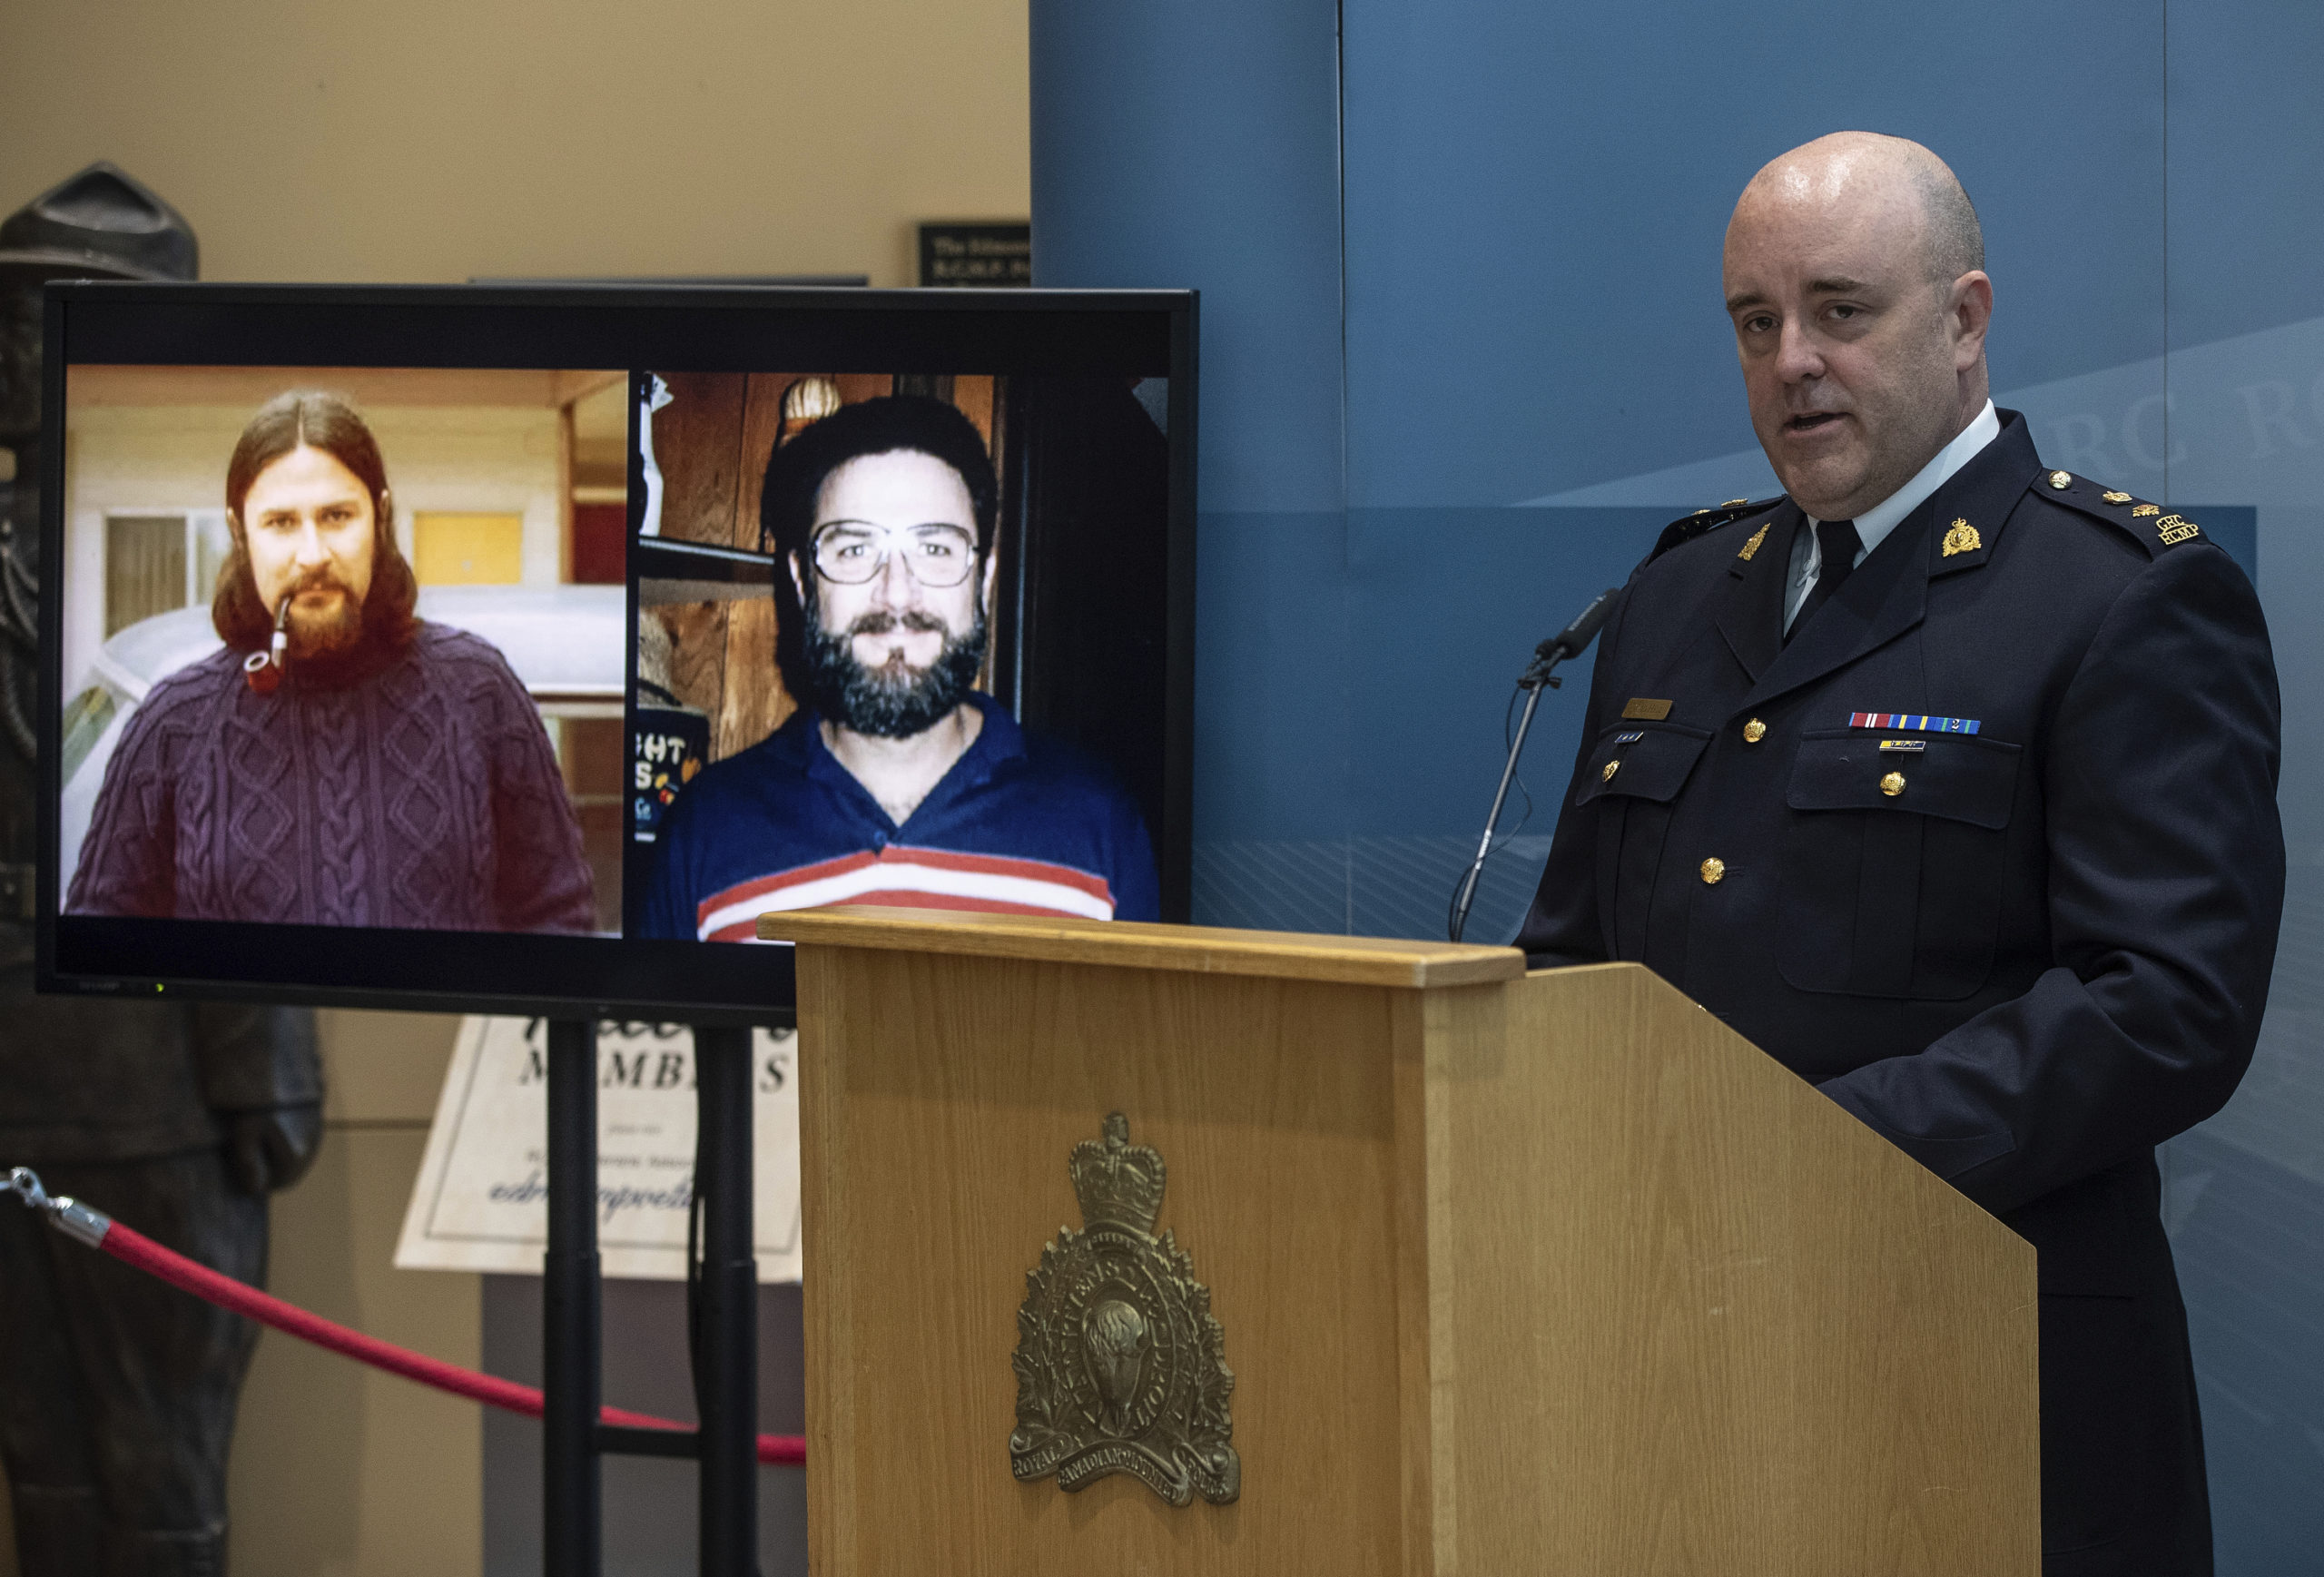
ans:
(908, 878)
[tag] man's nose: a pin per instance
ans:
(894, 587)
(310, 551)
(1797, 358)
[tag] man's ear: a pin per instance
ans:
(1969, 313)
(387, 508)
(798, 584)
(991, 576)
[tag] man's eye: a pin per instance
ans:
(1758, 325)
(1843, 310)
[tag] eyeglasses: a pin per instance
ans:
(852, 552)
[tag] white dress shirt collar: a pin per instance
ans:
(1872, 526)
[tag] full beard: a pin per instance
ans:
(895, 700)
(324, 633)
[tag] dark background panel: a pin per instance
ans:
(1506, 288)
(1446, 607)
(1271, 722)
(2247, 130)
(1198, 143)
(1536, 197)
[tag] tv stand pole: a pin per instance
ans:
(572, 1330)
(726, 1376)
(726, 1386)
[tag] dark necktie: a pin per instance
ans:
(1840, 545)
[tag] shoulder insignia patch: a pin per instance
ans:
(1680, 532)
(2148, 525)
(1753, 545)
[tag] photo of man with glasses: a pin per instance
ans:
(896, 781)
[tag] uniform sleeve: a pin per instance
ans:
(251, 1057)
(129, 858)
(1563, 927)
(541, 879)
(2166, 881)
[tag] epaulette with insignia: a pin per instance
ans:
(2150, 526)
(1678, 533)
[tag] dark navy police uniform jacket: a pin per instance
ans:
(2027, 954)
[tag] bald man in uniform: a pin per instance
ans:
(1949, 780)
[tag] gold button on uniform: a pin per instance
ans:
(1611, 768)
(2061, 480)
(1753, 732)
(1893, 784)
(1714, 869)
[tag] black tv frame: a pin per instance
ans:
(704, 328)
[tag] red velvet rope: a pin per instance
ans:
(132, 1247)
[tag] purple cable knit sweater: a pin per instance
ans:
(421, 795)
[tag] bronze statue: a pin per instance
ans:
(117, 1393)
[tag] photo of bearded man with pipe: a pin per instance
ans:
(340, 761)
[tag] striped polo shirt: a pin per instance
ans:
(1020, 824)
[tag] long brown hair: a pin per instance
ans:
(324, 422)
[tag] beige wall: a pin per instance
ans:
(435, 140)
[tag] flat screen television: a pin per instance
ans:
(513, 648)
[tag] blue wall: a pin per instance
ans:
(1463, 353)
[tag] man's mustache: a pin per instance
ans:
(881, 622)
(317, 580)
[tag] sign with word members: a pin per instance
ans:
(480, 1203)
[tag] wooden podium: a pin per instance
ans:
(1546, 1273)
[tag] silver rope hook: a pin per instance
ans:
(65, 1213)
(26, 1183)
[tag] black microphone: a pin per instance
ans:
(1567, 644)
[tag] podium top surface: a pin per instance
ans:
(1357, 960)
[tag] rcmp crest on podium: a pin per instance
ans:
(1120, 1366)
